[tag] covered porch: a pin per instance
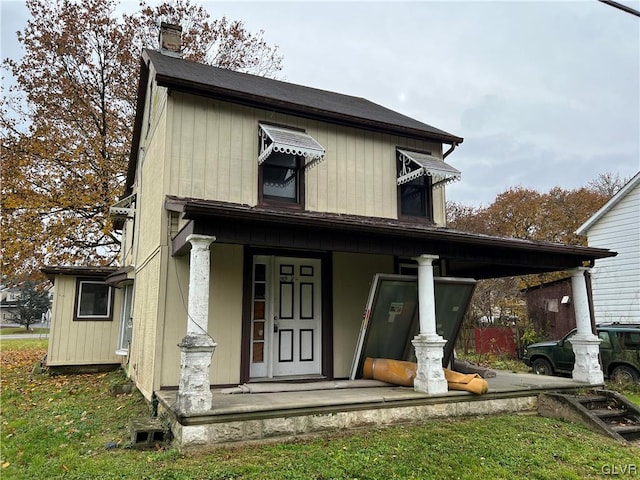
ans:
(201, 416)
(320, 407)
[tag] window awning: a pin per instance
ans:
(293, 142)
(416, 164)
(122, 211)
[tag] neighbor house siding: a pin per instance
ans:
(352, 277)
(82, 342)
(213, 151)
(615, 280)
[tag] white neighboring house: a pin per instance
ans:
(616, 280)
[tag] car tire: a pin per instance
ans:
(541, 367)
(624, 374)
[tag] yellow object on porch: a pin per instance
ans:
(403, 373)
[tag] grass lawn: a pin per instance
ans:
(64, 427)
(22, 330)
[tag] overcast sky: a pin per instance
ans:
(544, 93)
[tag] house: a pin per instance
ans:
(9, 302)
(549, 308)
(616, 280)
(255, 215)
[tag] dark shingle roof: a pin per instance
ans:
(287, 97)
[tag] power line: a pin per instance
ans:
(622, 7)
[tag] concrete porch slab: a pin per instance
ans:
(262, 416)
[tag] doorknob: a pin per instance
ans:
(275, 324)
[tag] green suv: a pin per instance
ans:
(619, 353)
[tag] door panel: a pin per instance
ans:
(297, 326)
(286, 317)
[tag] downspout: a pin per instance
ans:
(451, 149)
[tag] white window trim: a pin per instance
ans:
(107, 316)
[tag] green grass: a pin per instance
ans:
(22, 330)
(59, 427)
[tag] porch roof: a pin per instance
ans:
(88, 272)
(466, 254)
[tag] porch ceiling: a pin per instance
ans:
(466, 254)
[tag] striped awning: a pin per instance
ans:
(292, 142)
(416, 164)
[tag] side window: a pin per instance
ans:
(606, 340)
(567, 341)
(94, 300)
(126, 321)
(631, 341)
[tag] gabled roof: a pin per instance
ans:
(287, 97)
(274, 95)
(613, 201)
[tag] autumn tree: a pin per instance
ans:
(67, 125)
(524, 213)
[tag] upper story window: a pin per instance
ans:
(94, 300)
(285, 155)
(418, 174)
(282, 178)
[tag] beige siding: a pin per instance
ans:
(225, 314)
(149, 289)
(150, 251)
(352, 276)
(80, 342)
(151, 217)
(213, 151)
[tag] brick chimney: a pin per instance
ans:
(170, 39)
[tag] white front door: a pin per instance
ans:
(287, 339)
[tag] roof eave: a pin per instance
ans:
(244, 98)
(613, 201)
(194, 208)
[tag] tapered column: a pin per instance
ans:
(586, 345)
(197, 347)
(428, 344)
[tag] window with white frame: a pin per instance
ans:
(94, 300)
(126, 321)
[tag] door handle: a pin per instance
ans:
(275, 324)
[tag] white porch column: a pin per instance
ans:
(197, 347)
(428, 344)
(586, 345)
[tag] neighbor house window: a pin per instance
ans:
(285, 154)
(94, 300)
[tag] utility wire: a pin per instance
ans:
(620, 6)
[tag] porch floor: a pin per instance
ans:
(257, 416)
